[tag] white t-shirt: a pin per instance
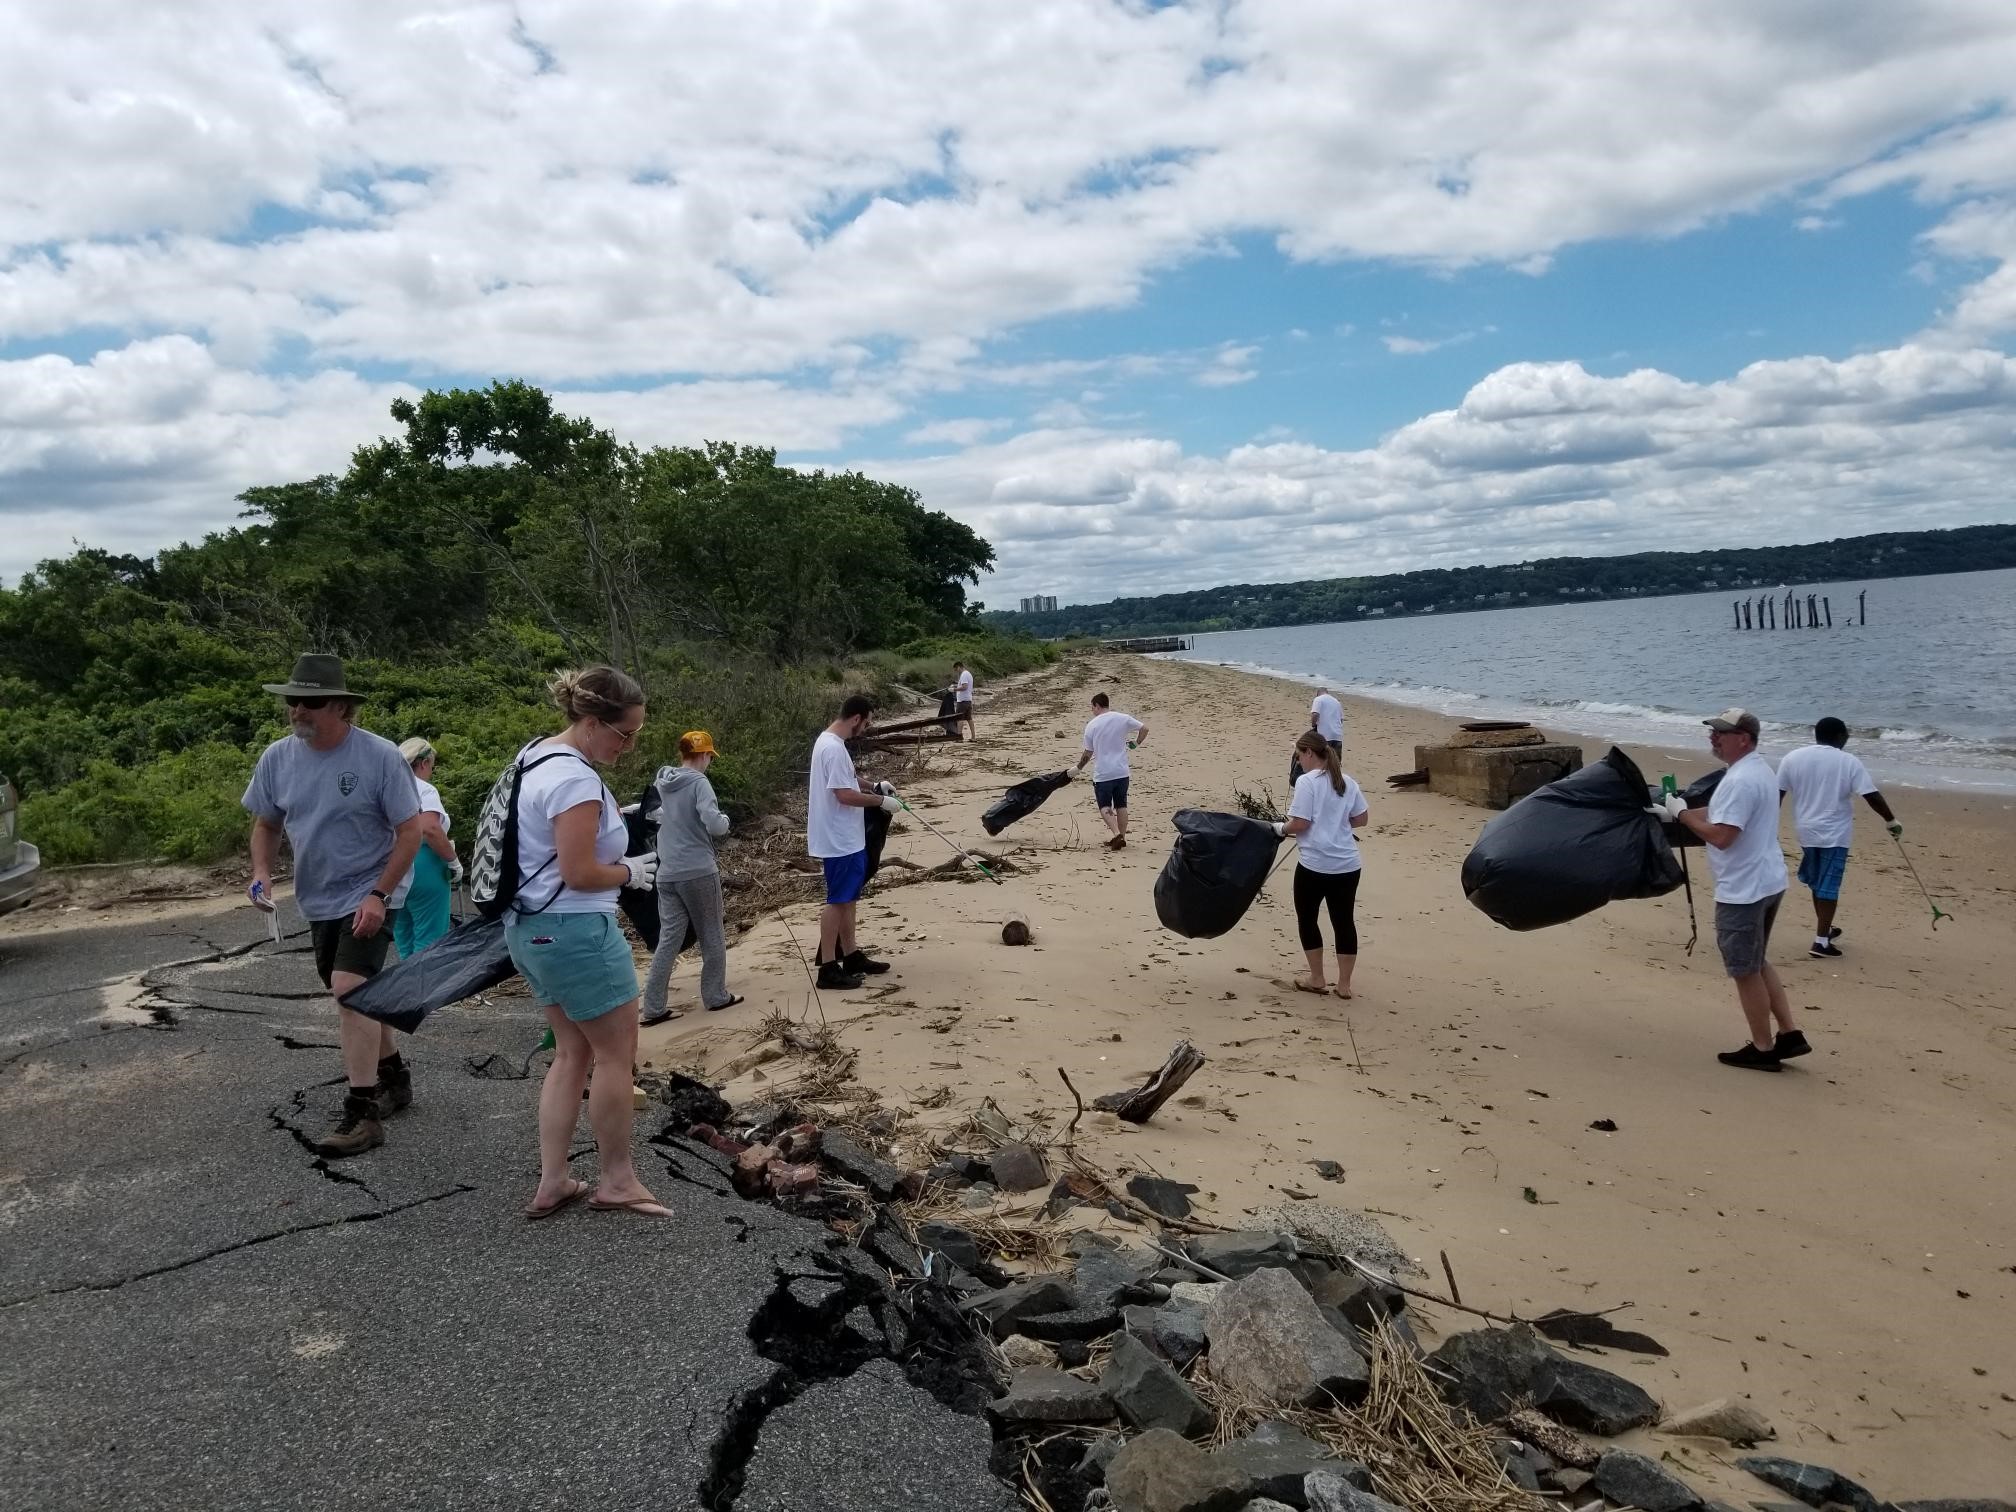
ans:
(1329, 721)
(1106, 737)
(547, 791)
(965, 690)
(1824, 782)
(430, 801)
(1752, 867)
(833, 828)
(1329, 845)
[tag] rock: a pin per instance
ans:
(1332, 1490)
(1036, 1395)
(1631, 1480)
(968, 1167)
(1363, 1302)
(1149, 1394)
(1267, 1504)
(1329, 1170)
(1175, 1330)
(946, 1176)
(1814, 1485)
(1494, 1368)
(979, 1195)
(1004, 1308)
(1274, 1431)
(1193, 1290)
(1015, 932)
(1518, 1469)
(1169, 1199)
(847, 1158)
(793, 1180)
(1098, 1456)
(1164, 1472)
(1073, 1354)
(688, 1102)
(1072, 1323)
(1278, 1470)
(951, 1241)
(1017, 1168)
(1268, 1338)
(1109, 1276)
(800, 1143)
(1958, 1504)
(1028, 1354)
(1241, 1254)
(1568, 1481)
(1592, 1399)
(752, 1169)
(1541, 1432)
(1724, 1418)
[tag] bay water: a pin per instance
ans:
(1927, 685)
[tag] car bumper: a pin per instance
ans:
(17, 883)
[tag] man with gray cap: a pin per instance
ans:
(1740, 828)
(346, 802)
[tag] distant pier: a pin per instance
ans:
(1149, 643)
(1793, 612)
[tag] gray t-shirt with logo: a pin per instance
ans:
(339, 809)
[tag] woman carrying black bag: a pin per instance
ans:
(1324, 816)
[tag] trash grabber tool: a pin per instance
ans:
(1937, 912)
(964, 855)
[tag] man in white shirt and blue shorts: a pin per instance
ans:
(1823, 781)
(836, 835)
(1740, 828)
(1109, 736)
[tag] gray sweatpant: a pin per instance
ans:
(695, 899)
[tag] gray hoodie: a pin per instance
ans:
(688, 824)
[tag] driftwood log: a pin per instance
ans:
(1140, 1105)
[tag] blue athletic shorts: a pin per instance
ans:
(1111, 794)
(1822, 867)
(579, 962)
(846, 876)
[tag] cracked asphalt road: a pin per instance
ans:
(197, 1311)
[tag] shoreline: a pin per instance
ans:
(1832, 1243)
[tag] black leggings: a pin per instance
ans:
(1340, 891)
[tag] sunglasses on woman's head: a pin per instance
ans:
(307, 703)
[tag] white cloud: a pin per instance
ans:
(1228, 365)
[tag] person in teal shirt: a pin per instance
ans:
(425, 917)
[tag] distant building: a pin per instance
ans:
(1042, 603)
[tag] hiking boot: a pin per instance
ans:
(395, 1086)
(835, 977)
(358, 1128)
(1828, 950)
(1750, 1058)
(1792, 1042)
(859, 963)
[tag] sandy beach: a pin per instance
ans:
(1836, 1243)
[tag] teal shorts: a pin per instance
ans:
(579, 962)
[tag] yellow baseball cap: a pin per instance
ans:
(697, 743)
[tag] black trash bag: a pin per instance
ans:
(878, 836)
(1695, 795)
(469, 959)
(1021, 800)
(1568, 848)
(640, 904)
(1214, 872)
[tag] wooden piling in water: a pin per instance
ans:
(1812, 611)
(1862, 607)
(1828, 610)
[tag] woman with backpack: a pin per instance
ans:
(1323, 819)
(563, 936)
(689, 880)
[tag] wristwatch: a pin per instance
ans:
(381, 895)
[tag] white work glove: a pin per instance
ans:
(643, 869)
(1281, 828)
(1672, 806)
(455, 872)
(1896, 830)
(884, 789)
(892, 803)
(261, 895)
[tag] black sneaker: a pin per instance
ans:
(1823, 950)
(1750, 1058)
(1792, 1042)
(395, 1086)
(859, 963)
(357, 1129)
(1834, 933)
(834, 977)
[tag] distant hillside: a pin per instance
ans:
(1448, 590)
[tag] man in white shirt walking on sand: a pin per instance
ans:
(1109, 736)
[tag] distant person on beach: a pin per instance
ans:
(836, 835)
(1324, 818)
(1823, 781)
(426, 914)
(1740, 827)
(564, 938)
(689, 880)
(962, 695)
(1109, 736)
(346, 802)
(1326, 718)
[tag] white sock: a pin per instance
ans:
(1820, 940)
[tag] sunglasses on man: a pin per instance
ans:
(307, 703)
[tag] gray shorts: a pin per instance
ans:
(1743, 933)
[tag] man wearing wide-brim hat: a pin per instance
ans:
(346, 801)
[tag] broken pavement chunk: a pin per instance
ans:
(1004, 1308)
(846, 1158)
(1037, 1395)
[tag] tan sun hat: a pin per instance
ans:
(1734, 719)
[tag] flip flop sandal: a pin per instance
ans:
(575, 1192)
(717, 1007)
(648, 1207)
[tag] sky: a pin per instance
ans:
(1154, 296)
